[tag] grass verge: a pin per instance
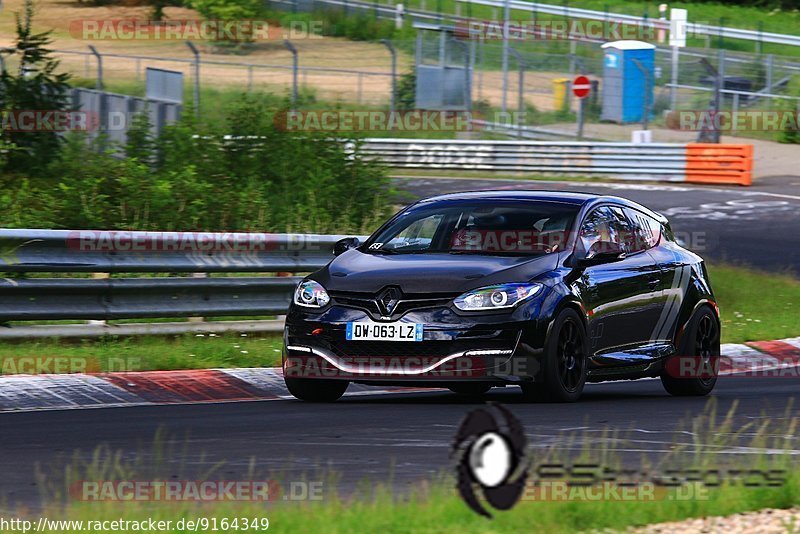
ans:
(433, 506)
(145, 353)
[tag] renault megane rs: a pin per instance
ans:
(543, 290)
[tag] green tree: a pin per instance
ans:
(34, 86)
(229, 10)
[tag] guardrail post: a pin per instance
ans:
(196, 53)
(290, 47)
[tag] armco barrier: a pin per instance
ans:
(709, 163)
(697, 163)
(76, 297)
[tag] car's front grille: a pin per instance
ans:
(407, 303)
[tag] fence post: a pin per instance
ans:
(520, 89)
(646, 101)
(196, 53)
(99, 83)
(734, 110)
(388, 44)
(673, 90)
(506, 22)
(289, 46)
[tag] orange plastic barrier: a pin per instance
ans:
(708, 163)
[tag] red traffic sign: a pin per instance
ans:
(581, 87)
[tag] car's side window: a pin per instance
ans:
(599, 225)
(646, 230)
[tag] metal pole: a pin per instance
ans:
(520, 89)
(289, 46)
(196, 53)
(99, 83)
(467, 81)
(734, 110)
(581, 116)
(393, 52)
(506, 22)
(646, 101)
(673, 90)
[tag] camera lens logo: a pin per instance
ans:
(489, 452)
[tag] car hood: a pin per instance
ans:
(429, 273)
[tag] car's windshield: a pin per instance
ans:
(477, 227)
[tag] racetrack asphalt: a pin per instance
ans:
(403, 437)
(757, 226)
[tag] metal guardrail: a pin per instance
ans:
(64, 251)
(666, 161)
(693, 162)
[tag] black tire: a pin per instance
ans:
(564, 362)
(316, 390)
(470, 390)
(699, 340)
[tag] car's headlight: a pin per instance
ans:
(496, 297)
(311, 294)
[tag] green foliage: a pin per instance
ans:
(258, 179)
(407, 91)
(229, 10)
(35, 86)
(357, 25)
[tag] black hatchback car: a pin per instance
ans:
(469, 291)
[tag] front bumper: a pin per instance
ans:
(490, 348)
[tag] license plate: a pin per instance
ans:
(368, 331)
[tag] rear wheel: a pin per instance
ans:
(316, 390)
(563, 372)
(700, 343)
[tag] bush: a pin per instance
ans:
(262, 179)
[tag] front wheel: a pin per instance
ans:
(700, 344)
(316, 390)
(563, 364)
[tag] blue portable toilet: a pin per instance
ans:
(625, 86)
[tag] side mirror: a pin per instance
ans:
(602, 252)
(343, 245)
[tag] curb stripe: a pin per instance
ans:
(54, 392)
(170, 387)
(147, 388)
(786, 353)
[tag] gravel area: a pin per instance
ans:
(763, 522)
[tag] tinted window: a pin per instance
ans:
(646, 230)
(494, 227)
(607, 224)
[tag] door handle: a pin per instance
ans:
(654, 282)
